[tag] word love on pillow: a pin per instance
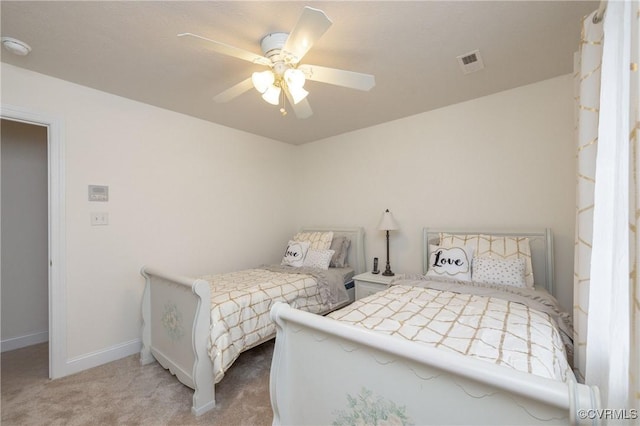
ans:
(453, 262)
(295, 253)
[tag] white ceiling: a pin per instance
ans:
(131, 49)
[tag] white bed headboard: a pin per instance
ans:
(355, 257)
(540, 241)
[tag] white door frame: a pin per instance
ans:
(57, 251)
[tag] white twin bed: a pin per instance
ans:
(196, 328)
(438, 349)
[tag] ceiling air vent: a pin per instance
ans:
(470, 62)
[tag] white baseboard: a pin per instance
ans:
(104, 356)
(82, 362)
(24, 341)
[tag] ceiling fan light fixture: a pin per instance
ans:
(294, 77)
(286, 75)
(297, 93)
(272, 95)
(262, 80)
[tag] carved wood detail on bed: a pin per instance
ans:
(176, 313)
(328, 372)
(175, 331)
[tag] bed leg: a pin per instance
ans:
(203, 401)
(204, 385)
(145, 354)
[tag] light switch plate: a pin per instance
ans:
(99, 218)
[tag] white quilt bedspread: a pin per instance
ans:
(240, 304)
(488, 328)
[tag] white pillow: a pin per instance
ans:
(510, 272)
(495, 246)
(295, 253)
(318, 258)
(454, 262)
(318, 240)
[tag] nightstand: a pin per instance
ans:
(368, 283)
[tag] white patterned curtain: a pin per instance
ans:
(634, 136)
(587, 81)
(607, 293)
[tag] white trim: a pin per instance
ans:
(13, 343)
(57, 247)
(103, 356)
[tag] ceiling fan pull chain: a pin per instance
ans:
(283, 111)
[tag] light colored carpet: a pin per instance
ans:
(125, 393)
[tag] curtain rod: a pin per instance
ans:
(597, 18)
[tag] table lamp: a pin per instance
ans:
(387, 223)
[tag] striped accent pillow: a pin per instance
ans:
(318, 240)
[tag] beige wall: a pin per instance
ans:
(505, 160)
(24, 235)
(186, 195)
(194, 197)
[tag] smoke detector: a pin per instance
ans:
(16, 46)
(470, 62)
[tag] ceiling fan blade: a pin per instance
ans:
(350, 79)
(234, 91)
(309, 28)
(302, 109)
(226, 49)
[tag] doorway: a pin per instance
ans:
(24, 235)
(56, 261)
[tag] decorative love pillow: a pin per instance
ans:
(454, 262)
(295, 253)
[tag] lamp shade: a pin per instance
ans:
(262, 80)
(387, 223)
(297, 93)
(294, 78)
(272, 95)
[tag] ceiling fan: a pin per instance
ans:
(286, 75)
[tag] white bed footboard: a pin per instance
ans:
(328, 372)
(176, 316)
